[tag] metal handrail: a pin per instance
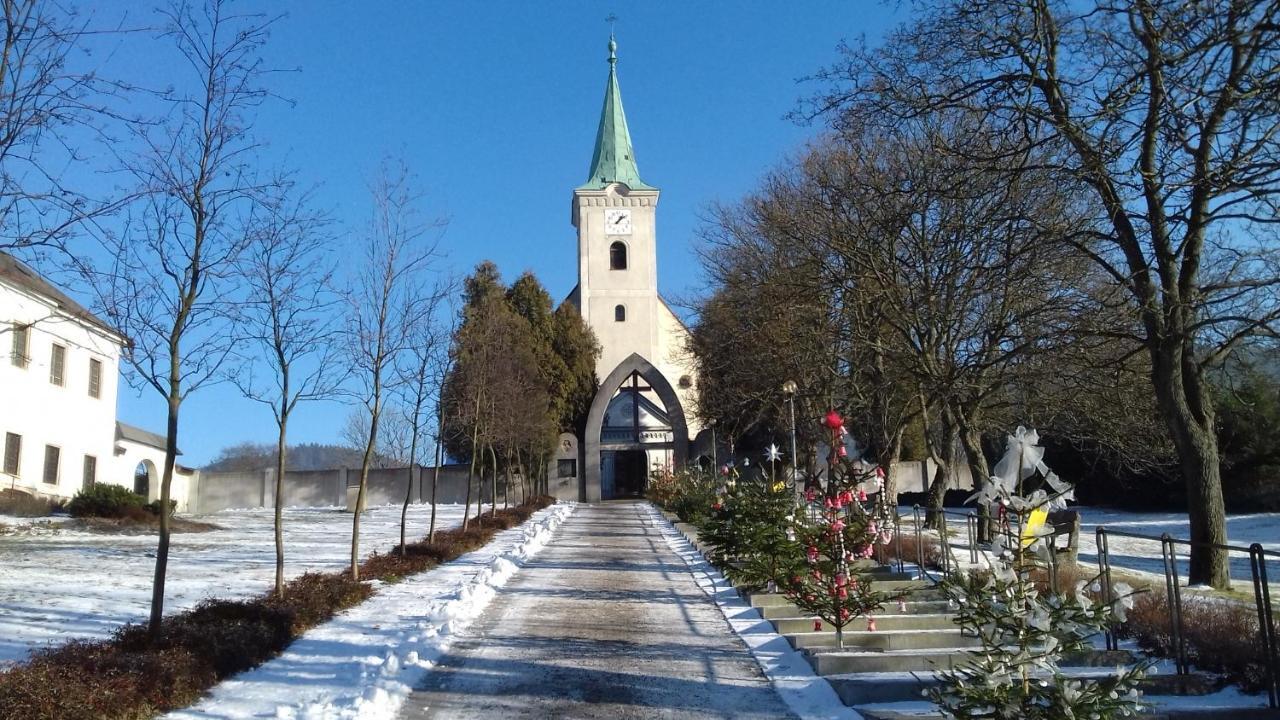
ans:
(1261, 590)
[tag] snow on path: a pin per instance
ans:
(607, 623)
(806, 694)
(363, 663)
(57, 584)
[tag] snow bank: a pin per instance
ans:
(805, 693)
(364, 663)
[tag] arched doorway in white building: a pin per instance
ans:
(145, 478)
(636, 425)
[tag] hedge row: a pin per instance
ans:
(134, 676)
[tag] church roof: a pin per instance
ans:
(614, 160)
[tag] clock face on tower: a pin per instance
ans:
(617, 221)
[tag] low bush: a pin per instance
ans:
(1221, 636)
(20, 504)
(105, 500)
(689, 493)
(134, 676)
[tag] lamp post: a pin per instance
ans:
(715, 464)
(789, 389)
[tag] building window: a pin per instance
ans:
(567, 468)
(90, 471)
(618, 256)
(620, 313)
(18, 352)
(95, 378)
(12, 452)
(51, 457)
(57, 363)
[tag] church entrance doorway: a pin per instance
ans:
(631, 470)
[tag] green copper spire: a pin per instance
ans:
(614, 159)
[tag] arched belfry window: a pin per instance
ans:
(620, 313)
(618, 256)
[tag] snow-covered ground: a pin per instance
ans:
(57, 584)
(365, 662)
(1144, 555)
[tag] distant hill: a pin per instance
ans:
(303, 456)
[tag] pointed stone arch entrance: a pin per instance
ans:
(619, 447)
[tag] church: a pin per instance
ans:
(641, 418)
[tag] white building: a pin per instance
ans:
(59, 374)
(641, 418)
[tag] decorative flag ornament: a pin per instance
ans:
(833, 420)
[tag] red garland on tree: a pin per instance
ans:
(836, 533)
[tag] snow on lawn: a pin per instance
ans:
(57, 584)
(1144, 555)
(366, 661)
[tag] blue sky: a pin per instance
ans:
(494, 108)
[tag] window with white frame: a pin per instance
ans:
(18, 345)
(95, 378)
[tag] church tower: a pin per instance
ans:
(614, 212)
(638, 420)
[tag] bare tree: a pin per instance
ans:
(416, 371)
(53, 107)
(387, 298)
(169, 284)
(1164, 113)
(288, 319)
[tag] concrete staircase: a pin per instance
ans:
(882, 673)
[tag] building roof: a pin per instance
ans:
(137, 435)
(16, 273)
(614, 160)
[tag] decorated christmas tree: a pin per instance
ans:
(1024, 632)
(836, 534)
(747, 531)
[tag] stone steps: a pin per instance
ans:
(921, 621)
(883, 640)
(925, 660)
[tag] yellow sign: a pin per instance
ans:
(1031, 530)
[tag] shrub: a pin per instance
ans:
(313, 598)
(16, 502)
(1222, 636)
(105, 500)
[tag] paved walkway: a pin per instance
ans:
(606, 622)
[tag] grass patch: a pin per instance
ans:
(134, 676)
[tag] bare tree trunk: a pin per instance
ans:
(971, 439)
(281, 451)
(408, 492)
(1188, 413)
(166, 482)
(435, 475)
(471, 476)
(493, 489)
(364, 482)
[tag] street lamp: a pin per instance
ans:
(789, 389)
(715, 464)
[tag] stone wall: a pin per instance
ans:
(319, 488)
